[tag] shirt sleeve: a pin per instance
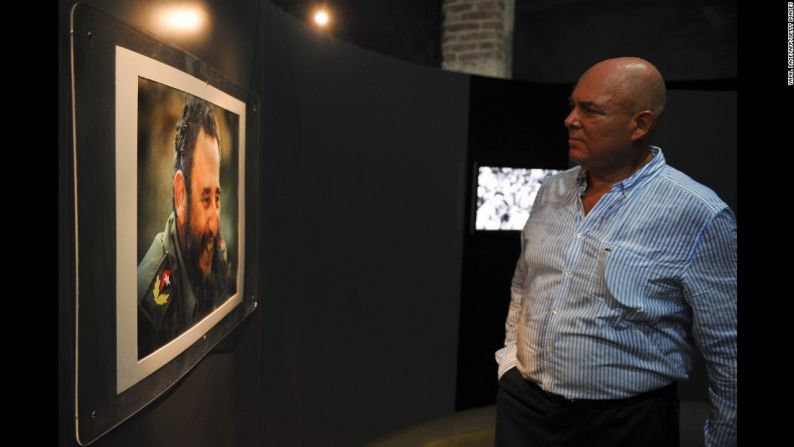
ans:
(506, 357)
(710, 290)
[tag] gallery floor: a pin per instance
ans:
(475, 428)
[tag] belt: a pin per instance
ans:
(670, 391)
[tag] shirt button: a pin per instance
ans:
(579, 235)
(555, 312)
(568, 273)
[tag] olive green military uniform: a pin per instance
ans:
(167, 303)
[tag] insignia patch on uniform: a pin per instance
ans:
(162, 285)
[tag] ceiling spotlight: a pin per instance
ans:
(321, 17)
(184, 19)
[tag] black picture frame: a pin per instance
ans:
(112, 64)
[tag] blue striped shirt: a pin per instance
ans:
(611, 304)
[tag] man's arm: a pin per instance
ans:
(506, 357)
(710, 289)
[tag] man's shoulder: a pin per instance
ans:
(567, 175)
(155, 262)
(561, 178)
(559, 184)
(156, 281)
(687, 191)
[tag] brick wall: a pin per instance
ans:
(477, 36)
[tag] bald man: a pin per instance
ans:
(627, 266)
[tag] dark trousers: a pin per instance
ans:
(527, 416)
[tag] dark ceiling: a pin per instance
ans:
(405, 29)
(554, 40)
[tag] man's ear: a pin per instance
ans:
(644, 122)
(180, 198)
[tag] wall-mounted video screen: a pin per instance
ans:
(505, 196)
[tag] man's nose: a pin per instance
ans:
(215, 221)
(571, 120)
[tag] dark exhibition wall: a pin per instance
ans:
(378, 307)
(363, 167)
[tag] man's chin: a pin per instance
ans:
(575, 155)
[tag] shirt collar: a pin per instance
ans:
(645, 172)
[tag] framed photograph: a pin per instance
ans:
(165, 189)
(178, 261)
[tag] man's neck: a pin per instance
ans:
(601, 179)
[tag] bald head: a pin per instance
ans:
(615, 108)
(633, 82)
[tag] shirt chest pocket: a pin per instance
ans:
(626, 276)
